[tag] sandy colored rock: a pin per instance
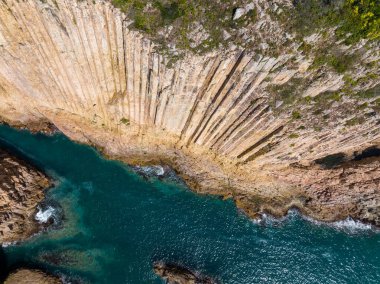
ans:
(21, 189)
(27, 276)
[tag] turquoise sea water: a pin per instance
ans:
(116, 224)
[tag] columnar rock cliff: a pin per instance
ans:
(217, 117)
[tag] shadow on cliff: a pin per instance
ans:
(341, 159)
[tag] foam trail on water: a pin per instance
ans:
(348, 225)
(7, 244)
(352, 224)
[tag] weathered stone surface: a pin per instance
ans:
(352, 189)
(27, 276)
(21, 189)
(78, 65)
(176, 274)
(239, 12)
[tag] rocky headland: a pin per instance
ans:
(176, 274)
(256, 112)
(22, 188)
(27, 276)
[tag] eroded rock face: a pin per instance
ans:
(352, 189)
(27, 276)
(176, 274)
(21, 189)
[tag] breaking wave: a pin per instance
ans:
(43, 216)
(348, 225)
(49, 214)
(158, 171)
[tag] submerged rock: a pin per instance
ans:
(22, 188)
(157, 171)
(176, 274)
(151, 171)
(31, 276)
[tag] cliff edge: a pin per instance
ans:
(255, 112)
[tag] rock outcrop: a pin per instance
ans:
(21, 189)
(176, 274)
(231, 122)
(27, 276)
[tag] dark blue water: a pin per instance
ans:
(116, 224)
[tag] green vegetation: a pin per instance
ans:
(305, 47)
(355, 121)
(184, 16)
(324, 100)
(369, 94)
(339, 62)
(288, 92)
(125, 121)
(351, 20)
(362, 106)
(296, 115)
(362, 19)
(376, 105)
(309, 15)
(354, 19)
(293, 136)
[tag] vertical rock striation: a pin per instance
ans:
(79, 65)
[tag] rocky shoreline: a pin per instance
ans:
(319, 192)
(26, 276)
(348, 189)
(177, 274)
(22, 188)
(244, 124)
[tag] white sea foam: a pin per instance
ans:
(153, 170)
(43, 216)
(7, 244)
(270, 220)
(349, 225)
(159, 170)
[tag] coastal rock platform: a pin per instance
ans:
(22, 187)
(26, 276)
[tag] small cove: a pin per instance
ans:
(116, 224)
